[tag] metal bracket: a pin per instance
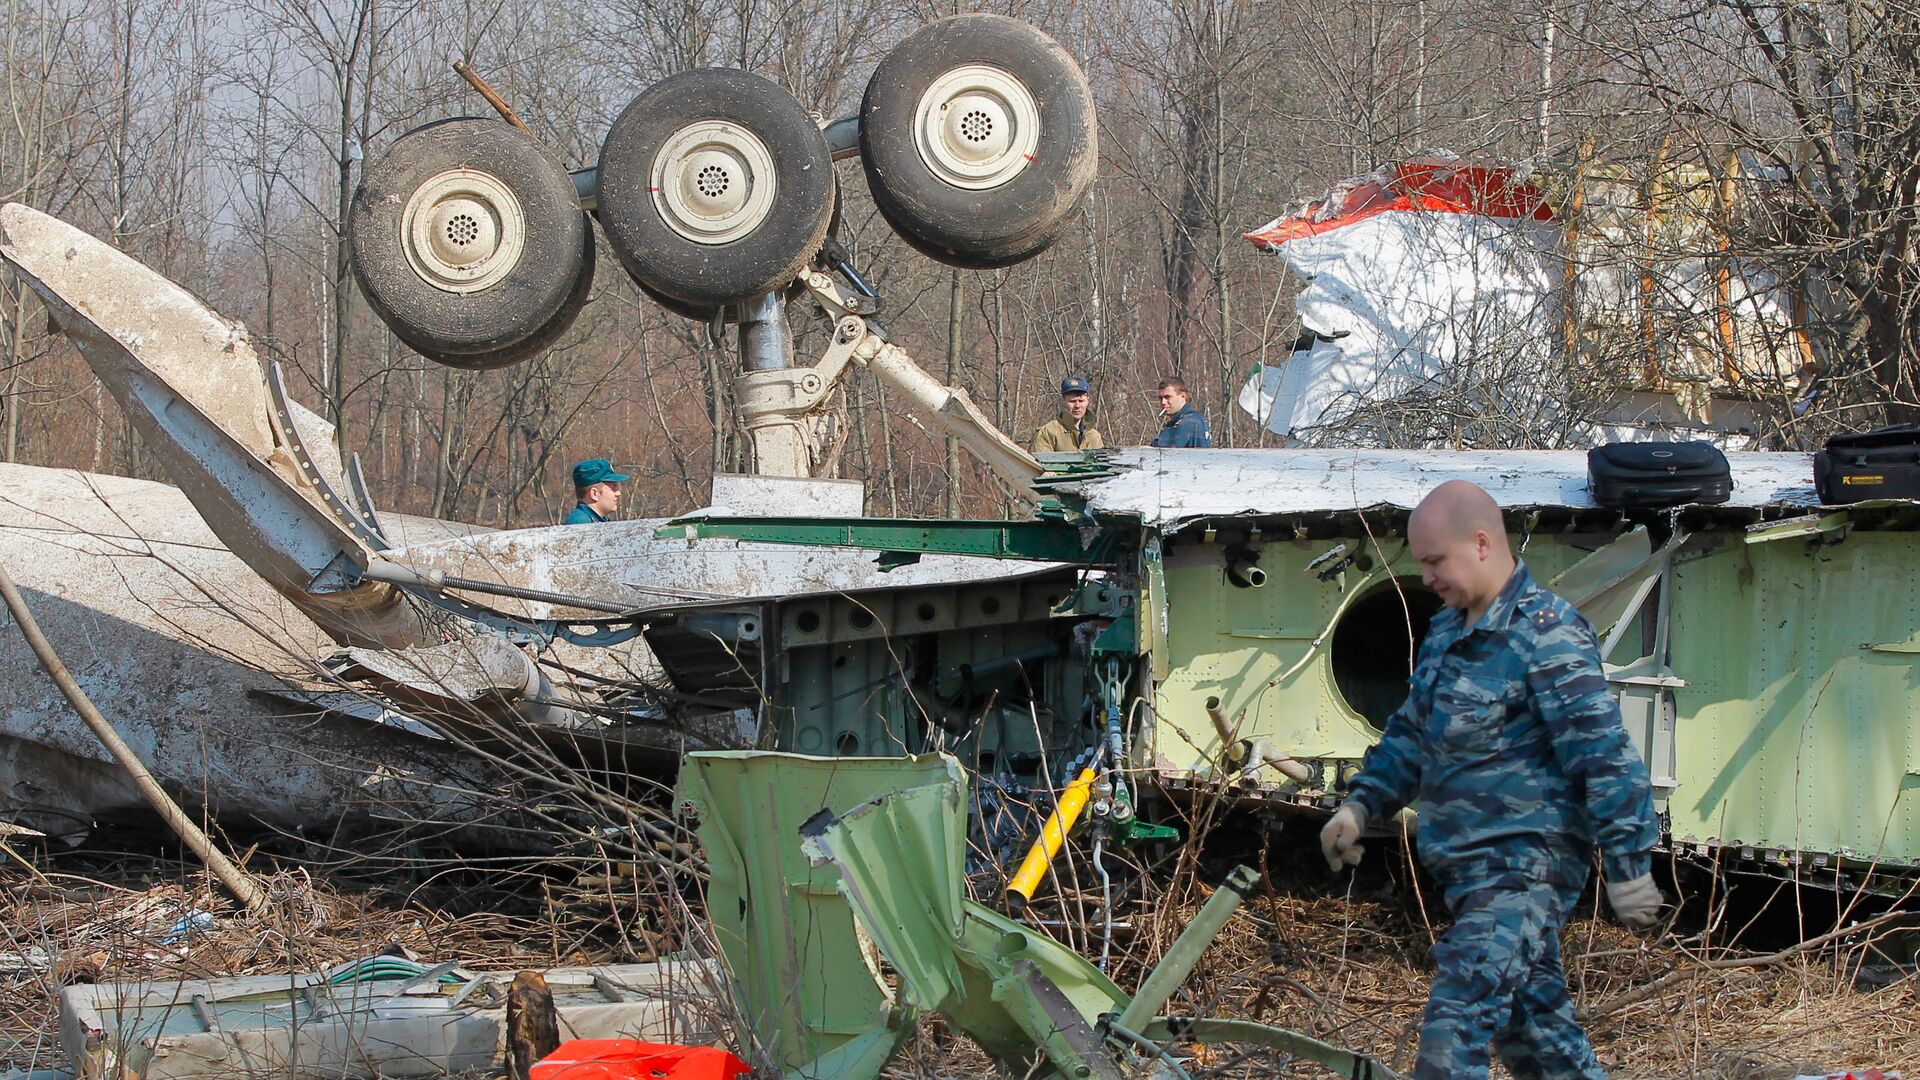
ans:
(1830, 527)
(779, 407)
(363, 497)
(287, 433)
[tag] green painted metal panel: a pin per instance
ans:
(1253, 649)
(1267, 653)
(800, 974)
(1044, 541)
(1794, 730)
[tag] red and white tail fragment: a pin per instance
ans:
(1436, 275)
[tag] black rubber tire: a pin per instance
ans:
(730, 313)
(535, 343)
(704, 276)
(999, 226)
(523, 303)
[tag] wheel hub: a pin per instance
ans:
(977, 127)
(713, 182)
(463, 230)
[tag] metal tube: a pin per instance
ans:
(1053, 837)
(437, 581)
(1264, 754)
(1106, 903)
(766, 341)
(1231, 749)
(1246, 574)
(843, 137)
(1184, 954)
(586, 187)
(1154, 1049)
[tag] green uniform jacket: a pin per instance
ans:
(1063, 434)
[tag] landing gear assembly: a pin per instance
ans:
(716, 191)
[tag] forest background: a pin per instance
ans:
(220, 141)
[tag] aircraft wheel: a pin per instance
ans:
(728, 313)
(535, 343)
(978, 137)
(715, 186)
(468, 240)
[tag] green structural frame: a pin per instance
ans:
(1042, 540)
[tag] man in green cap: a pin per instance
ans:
(597, 487)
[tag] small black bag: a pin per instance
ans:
(1651, 475)
(1880, 464)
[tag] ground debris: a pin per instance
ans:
(140, 919)
(1350, 969)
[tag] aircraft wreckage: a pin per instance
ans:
(1166, 620)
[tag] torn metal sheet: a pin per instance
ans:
(191, 384)
(402, 1020)
(801, 969)
(1164, 488)
(207, 672)
(901, 860)
(822, 866)
(466, 672)
(624, 563)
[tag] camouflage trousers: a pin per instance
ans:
(1499, 981)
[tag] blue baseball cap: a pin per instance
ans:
(1075, 384)
(596, 471)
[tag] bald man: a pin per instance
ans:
(1513, 745)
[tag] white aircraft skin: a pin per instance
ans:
(196, 612)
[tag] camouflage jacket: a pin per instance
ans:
(1513, 744)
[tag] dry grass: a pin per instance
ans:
(1357, 973)
(1351, 967)
(72, 918)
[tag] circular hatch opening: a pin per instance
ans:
(1374, 642)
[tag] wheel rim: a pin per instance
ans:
(977, 126)
(463, 231)
(714, 182)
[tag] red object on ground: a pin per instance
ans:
(631, 1059)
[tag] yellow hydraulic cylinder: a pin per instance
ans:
(1053, 836)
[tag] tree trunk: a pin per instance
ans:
(954, 295)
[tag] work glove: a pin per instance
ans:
(1637, 902)
(1340, 839)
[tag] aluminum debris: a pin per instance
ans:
(1167, 487)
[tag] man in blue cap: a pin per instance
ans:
(597, 487)
(1072, 428)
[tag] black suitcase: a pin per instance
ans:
(1652, 475)
(1880, 464)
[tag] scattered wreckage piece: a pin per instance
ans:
(381, 1016)
(630, 1059)
(205, 671)
(529, 633)
(191, 384)
(799, 890)
(807, 992)
(1715, 621)
(1443, 275)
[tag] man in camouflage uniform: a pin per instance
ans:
(1513, 745)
